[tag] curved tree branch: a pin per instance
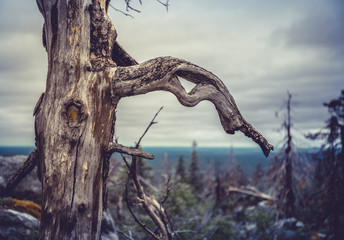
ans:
(161, 74)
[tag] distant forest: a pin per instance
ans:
(230, 193)
(295, 194)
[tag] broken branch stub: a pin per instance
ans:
(161, 74)
(115, 147)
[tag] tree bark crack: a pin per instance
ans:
(75, 169)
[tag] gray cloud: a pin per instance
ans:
(320, 28)
(22, 70)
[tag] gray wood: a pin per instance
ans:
(88, 73)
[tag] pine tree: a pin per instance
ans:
(330, 168)
(258, 175)
(181, 171)
(195, 175)
(240, 176)
(219, 185)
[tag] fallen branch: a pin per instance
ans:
(251, 192)
(23, 171)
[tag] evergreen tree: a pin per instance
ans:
(195, 175)
(181, 171)
(240, 176)
(258, 175)
(235, 176)
(219, 185)
(145, 170)
(330, 169)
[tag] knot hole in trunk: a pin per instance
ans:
(74, 112)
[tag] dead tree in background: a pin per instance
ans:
(289, 194)
(288, 168)
(88, 74)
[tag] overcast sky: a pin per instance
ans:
(259, 48)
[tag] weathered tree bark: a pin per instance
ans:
(74, 122)
(88, 74)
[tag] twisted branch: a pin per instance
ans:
(161, 74)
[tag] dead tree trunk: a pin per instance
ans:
(74, 121)
(88, 74)
(289, 198)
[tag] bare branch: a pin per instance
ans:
(129, 7)
(115, 147)
(251, 192)
(118, 10)
(166, 4)
(161, 74)
(23, 171)
(155, 210)
(150, 124)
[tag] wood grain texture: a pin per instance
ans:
(88, 74)
(161, 74)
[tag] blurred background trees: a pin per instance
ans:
(219, 199)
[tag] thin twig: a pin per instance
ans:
(118, 10)
(150, 124)
(166, 4)
(130, 7)
(154, 209)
